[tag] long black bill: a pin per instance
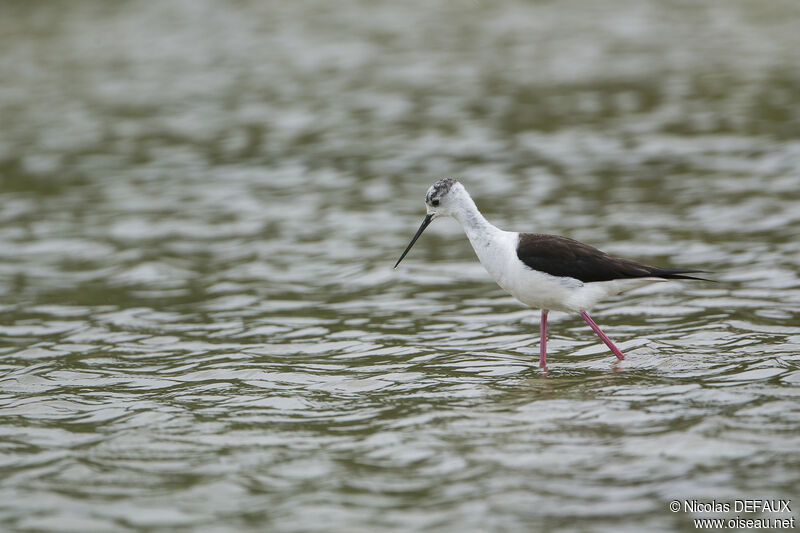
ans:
(425, 224)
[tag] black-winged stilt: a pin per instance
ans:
(547, 272)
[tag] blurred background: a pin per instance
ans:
(200, 205)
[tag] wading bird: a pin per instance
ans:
(546, 272)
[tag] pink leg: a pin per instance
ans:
(543, 340)
(602, 335)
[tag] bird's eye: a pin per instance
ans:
(435, 203)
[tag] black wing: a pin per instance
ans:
(560, 256)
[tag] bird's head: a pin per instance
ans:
(444, 199)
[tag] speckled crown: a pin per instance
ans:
(440, 188)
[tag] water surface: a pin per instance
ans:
(200, 328)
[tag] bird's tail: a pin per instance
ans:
(678, 273)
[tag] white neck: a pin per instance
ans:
(492, 245)
(477, 228)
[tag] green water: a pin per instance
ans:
(200, 206)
